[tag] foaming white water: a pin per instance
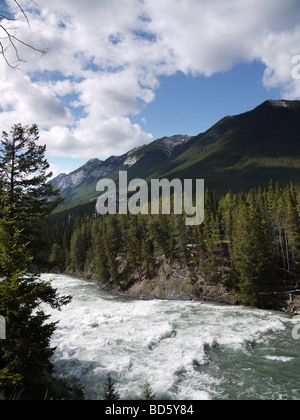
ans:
(280, 359)
(181, 348)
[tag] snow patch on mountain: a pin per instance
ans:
(132, 157)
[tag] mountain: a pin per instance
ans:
(237, 153)
(79, 186)
(244, 151)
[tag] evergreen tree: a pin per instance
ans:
(25, 187)
(98, 247)
(25, 198)
(227, 205)
(159, 233)
(25, 352)
(292, 233)
(179, 234)
(110, 393)
(112, 246)
(57, 258)
(149, 395)
(147, 248)
(132, 240)
(77, 251)
(212, 261)
(252, 253)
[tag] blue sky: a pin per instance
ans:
(190, 105)
(119, 76)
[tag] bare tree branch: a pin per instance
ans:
(22, 10)
(10, 40)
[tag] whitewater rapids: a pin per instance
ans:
(185, 350)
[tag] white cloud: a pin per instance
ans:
(105, 59)
(25, 101)
(210, 36)
(56, 171)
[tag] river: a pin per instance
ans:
(185, 350)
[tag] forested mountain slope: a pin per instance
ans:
(238, 153)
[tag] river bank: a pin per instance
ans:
(174, 282)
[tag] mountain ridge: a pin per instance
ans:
(95, 169)
(238, 152)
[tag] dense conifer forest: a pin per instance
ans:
(252, 239)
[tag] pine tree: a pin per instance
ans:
(77, 252)
(227, 205)
(25, 198)
(292, 233)
(98, 248)
(212, 245)
(179, 234)
(112, 246)
(159, 232)
(147, 248)
(26, 350)
(23, 172)
(149, 395)
(110, 393)
(252, 257)
(132, 240)
(57, 257)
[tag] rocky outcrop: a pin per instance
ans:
(293, 305)
(168, 144)
(93, 168)
(171, 282)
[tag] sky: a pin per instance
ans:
(121, 73)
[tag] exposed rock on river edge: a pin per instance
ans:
(173, 282)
